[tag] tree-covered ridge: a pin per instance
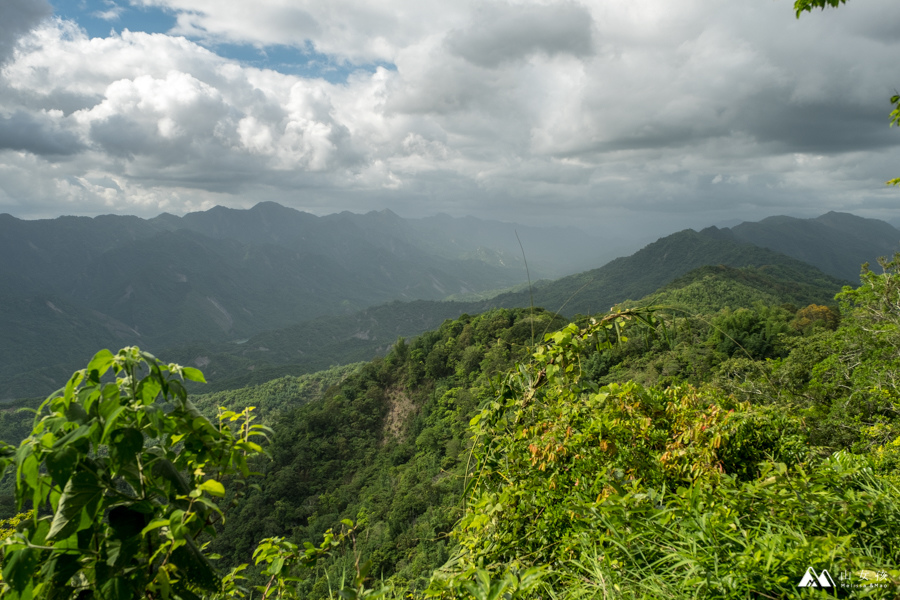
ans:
(195, 288)
(836, 243)
(327, 341)
(388, 447)
(658, 264)
(722, 433)
(649, 453)
(278, 395)
(711, 288)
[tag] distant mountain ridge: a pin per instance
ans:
(836, 243)
(308, 291)
(551, 251)
(74, 284)
(674, 270)
(655, 265)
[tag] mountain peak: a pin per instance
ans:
(385, 213)
(269, 207)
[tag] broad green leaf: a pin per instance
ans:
(125, 444)
(149, 390)
(192, 374)
(155, 524)
(100, 364)
(28, 466)
(73, 436)
(82, 493)
(61, 568)
(119, 588)
(111, 421)
(76, 378)
(76, 413)
(61, 463)
(213, 487)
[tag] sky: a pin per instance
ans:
(611, 115)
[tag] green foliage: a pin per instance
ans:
(553, 441)
(125, 476)
(277, 395)
(643, 454)
(753, 333)
(710, 289)
(845, 380)
(808, 5)
(478, 584)
(285, 563)
(740, 539)
(815, 317)
(630, 491)
(387, 447)
(8, 526)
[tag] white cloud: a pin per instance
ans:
(355, 30)
(113, 11)
(523, 107)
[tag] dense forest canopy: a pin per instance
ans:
(671, 448)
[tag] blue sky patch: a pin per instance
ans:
(304, 62)
(99, 17)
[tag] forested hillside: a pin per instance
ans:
(705, 427)
(835, 243)
(716, 439)
(198, 287)
(761, 275)
(73, 284)
(657, 264)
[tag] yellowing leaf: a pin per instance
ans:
(213, 487)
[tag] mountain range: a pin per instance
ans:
(663, 272)
(249, 294)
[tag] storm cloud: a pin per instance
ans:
(37, 133)
(502, 33)
(665, 114)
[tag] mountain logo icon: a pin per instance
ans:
(810, 579)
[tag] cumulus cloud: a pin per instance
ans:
(505, 108)
(358, 31)
(17, 18)
(39, 133)
(502, 33)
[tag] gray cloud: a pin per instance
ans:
(649, 112)
(17, 18)
(503, 32)
(38, 134)
(822, 128)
